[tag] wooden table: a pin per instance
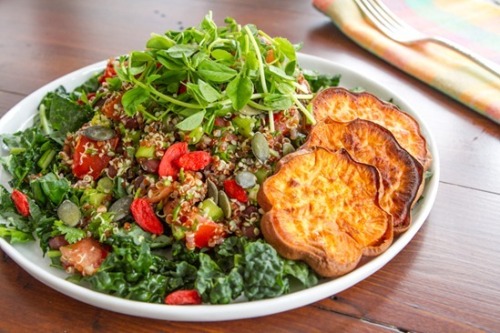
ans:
(446, 280)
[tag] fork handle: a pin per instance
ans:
(487, 64)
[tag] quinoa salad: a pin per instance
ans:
(142, 183)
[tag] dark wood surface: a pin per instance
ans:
(446, 280)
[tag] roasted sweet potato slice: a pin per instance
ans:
(322, 207)
(369, 143)
(341, 105)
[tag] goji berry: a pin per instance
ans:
(168, 165)
(183, 297)
(21, 202)
(194, 161)
(144, 215)
(235, 191)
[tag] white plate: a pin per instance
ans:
(30, 258)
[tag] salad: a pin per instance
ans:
(142, 183)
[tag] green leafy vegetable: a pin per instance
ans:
(71, 234)
(240, 91)
(66, 115)
(133, 271)
(319, 81)
(54, 188)
(223, 69)
(251, 268)
(191, 122)
(30, 152)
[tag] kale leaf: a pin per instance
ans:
(253, 269)
(134, 271)
(65, 115)
(26, 151)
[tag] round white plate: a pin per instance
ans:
(30, 258)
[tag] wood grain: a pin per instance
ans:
(445, 280)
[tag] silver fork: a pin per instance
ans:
(395, 28)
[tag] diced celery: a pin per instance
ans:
(145, 152)
(196, 135)
(244, 125)
(261, 175)
(211, 210)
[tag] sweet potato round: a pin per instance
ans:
(322, 207)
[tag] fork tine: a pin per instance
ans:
(368, 10)
(383, 10)
(385, 20)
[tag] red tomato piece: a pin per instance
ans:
(206, 232)
(85, 255)
(183, 297)
(194, 161)
(108, 72)
(144, 215)
(21, 202)
(109, 109)
(235, 191)
(91, 157)
(168, 165)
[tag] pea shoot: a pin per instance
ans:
(208, 71)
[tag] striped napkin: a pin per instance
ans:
(474, 24)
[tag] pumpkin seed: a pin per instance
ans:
(260, 147)
(105, 184)
(288, 148)
(225, 204)
(246, 179)
(121, 208)
(99, 133)
(212, 191)
(69, 213)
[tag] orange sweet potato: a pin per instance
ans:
(322, 207)
(367, 142)
(341, 105)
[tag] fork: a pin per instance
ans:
(395, 28)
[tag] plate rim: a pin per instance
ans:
(233, 311)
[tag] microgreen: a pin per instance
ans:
(222, 68)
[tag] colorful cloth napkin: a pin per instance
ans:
(474, 24)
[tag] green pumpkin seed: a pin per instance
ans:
(288, 148)
(99, 133)
(225, 204)
(105, 184)
(260, 147)
(69, 213)
(121, 208)
(212, 191)
(246, 179)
